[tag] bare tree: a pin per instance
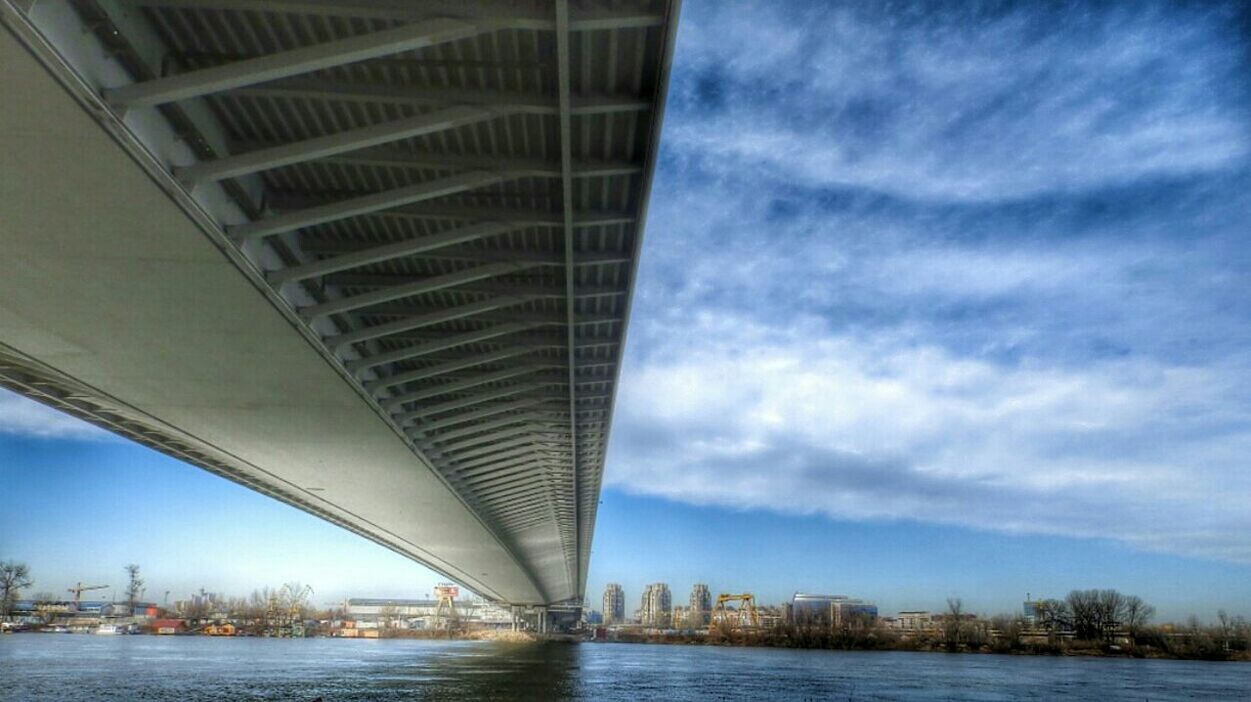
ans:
(47, 607)
(1226, 627)
(1137, 615)
(13, 577)
(195, 609)
(1008, 631)
(954, 624)
(1083, 605)
(387, 616)
(259, 610)
(1097, 614)
(1090, 614)
(1054, 616)
(134, 585)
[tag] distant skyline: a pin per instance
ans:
(935, 300)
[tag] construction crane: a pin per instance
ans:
(80, 589)
(744, 617)
(447, 593)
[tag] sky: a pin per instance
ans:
(936, 299)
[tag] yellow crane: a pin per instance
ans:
(79, 589)
(743, 617)
(447, 593)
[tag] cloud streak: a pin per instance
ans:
(954, 266)
(22, 417)
(960, 101)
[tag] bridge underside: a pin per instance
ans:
(373, 258)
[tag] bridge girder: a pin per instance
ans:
(453, 239)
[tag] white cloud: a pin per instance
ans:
(747, 415)
(952, 265)
(954, 107)
(23, 417)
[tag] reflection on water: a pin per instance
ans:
(65, 667)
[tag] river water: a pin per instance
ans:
(83, 667)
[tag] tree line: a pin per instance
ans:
(1089, 622)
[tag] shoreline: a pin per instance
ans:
(523, 638)
(1081, 650)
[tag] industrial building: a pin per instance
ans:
(369, 613)
(91, 609)
(913, 621)
(657, 606)
(614, 605)
(835, 610)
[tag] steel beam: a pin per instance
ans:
(386, 157)
(493, 394)
(531, 291)
(396, 403)
(526, 504)
(493, 15)
(504, 101)
(478, 254)
(518, 483)
(424, 319)
(482, 413)
(331, 144)
(566, 182)
(417, 287)
(500, 468)
(507, 469)
(365, 257)
(523, 426)
(584, 320)
(288, 203)
(506, 495)
(443, 368)
(289, 63)
(497, 462)
(487, 465)
(447, 342)
(364, 204)
(524, 418)
(462, 465)
(499, 448)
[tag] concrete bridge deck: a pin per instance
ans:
(373, 258)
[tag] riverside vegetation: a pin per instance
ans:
(1085, 623)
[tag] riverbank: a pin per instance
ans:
(868, 642)
(1160, 649)
(492, 635)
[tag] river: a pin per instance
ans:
(82, 667)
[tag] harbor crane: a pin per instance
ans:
(447, 602)
(744, 617)
(79, 589)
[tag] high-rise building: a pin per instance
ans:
(701, 606)
(657, 606)
(614, 604)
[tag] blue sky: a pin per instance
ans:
(936, 299)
